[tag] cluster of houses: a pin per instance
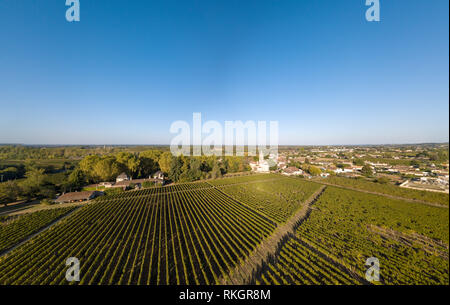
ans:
(123, 181)
(326, 160)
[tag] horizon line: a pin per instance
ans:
(223, 145)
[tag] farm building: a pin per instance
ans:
(122, 177)
(128, 184)
(292, 171)
(158, 175)
(136, 183)
(78, 196)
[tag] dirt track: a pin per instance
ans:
(242, 274)
(38, 232)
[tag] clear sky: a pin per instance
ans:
(129, 69)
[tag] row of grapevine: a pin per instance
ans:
(389, 189)
(17, 228)
(189, 237)
(277, 199)
(300, 265)
(243, 179)
(338, 232)
(156, 190)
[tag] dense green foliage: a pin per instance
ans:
(94, 168)
(106, 165)
(35, 185)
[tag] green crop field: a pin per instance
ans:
(347, 227)
(15, 229)
(277, 199)
(180, 237)
(243, 179)
(199, 233)
(389, 189)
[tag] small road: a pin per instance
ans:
(243, 273)
(39, 207)
(17, 206)
(56, 221)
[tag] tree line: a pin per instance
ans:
(95, 168)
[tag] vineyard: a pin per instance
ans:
(16, 228)
(189, 237)
(156, 191)
(244, 179)
(201, 232)
(389, 189)
(347, 227)
(277, 199)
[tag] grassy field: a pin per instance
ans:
(389, 189)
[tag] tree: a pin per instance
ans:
(9, 173)
(165, 161)
(367, 170)
(77, 179)
(232, 164)
(147, 166)
(314, 171)
(35, 178)
(151, 154)
(46, 191)
(87, 166)
(175, 169)
(9, 191)
(148, 162)
(195, 166)
(358, 162)
(106, 169)
(414, 163)
(128, 162)
(216, 172)
(208, 163)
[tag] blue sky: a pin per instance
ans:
(129, 69)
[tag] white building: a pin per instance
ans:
(343, 170)
(122, 177)
(262, 166)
